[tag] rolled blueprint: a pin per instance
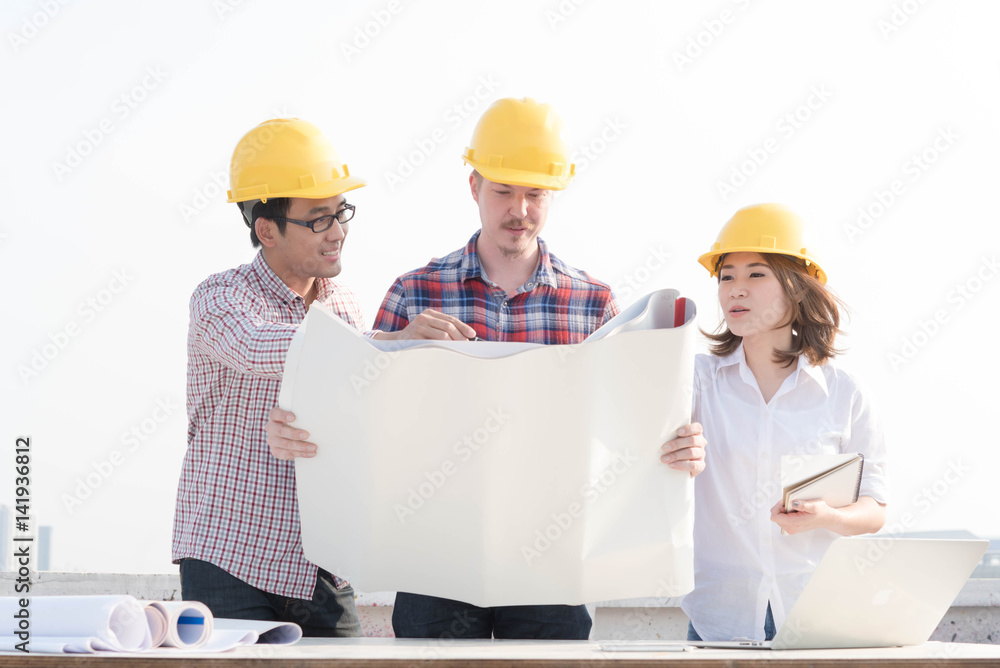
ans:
(80, 623)
(188, 624)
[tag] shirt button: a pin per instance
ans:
(505, 304)
(530, 285)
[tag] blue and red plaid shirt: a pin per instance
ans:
(559, 304)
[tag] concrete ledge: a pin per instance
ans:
(145, 587)
(981, 593)
(167, 587)
(974, 617)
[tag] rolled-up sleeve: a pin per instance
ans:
(228, 326)
(868, 439)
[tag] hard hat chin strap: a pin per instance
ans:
(249, 210)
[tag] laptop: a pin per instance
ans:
(874, 591)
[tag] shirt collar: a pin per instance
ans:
(813, 372)
(802, 366)
(471, 267)
(270, 281)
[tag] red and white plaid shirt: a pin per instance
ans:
(236, 503)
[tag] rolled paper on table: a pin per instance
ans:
(189, 623)
(116, 623)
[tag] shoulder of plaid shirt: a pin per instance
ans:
(236, 505)
(560, 304)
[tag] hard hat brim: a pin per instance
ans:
(520, 177)
(711, 258)
(319, 191)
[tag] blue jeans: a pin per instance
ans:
(331, 613)
(419, 616)
(769, 629)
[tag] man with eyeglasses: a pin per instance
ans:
(508, 286)
(236, 525)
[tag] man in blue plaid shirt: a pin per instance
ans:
(503, 285)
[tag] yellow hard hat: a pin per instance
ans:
(522, 143)
(287, 157)
(764, 228)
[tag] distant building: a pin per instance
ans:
(44, 548)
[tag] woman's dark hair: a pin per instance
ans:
(814, 315)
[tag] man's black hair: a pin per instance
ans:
(276, 207)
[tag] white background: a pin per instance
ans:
(668, 98)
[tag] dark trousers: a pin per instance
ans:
(330, 612)
(769, 629)
(419, 616)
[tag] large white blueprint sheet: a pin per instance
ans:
(498, 473)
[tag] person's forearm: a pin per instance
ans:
(864, 516)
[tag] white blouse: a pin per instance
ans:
(742, 561)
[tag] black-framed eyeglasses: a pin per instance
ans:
(323, 223)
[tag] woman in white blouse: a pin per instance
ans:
(769, 390)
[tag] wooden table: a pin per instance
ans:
(378, 652)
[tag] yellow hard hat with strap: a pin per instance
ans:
(764, 228)
(521, 143)
(287, 157)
